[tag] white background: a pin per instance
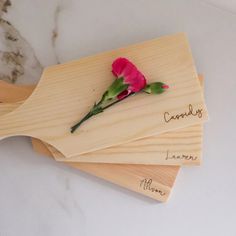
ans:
(41, 197)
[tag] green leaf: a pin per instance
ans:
(115, 89)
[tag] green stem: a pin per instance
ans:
(76, 126)
(117, 101)
(95, 110)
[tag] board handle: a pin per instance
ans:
(9, 101)
(9, 126)
(12, 93)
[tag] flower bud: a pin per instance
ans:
(155, 88)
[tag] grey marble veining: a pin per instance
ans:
(18, 62)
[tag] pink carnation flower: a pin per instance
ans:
(129, 80)
(123, 68)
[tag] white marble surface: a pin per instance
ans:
(41, 197)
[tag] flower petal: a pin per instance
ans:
(122, 67)
(118, 66)
(137, 83)
(128, 69)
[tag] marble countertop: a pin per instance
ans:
(41, 197)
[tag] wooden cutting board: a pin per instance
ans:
(66, 92)
(181, 147)
(139, 178)
(152, 181)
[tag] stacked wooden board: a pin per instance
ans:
(153, 134)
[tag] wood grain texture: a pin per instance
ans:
(127, 175)
(66, 92)
(7, 107)
(152, 181)
(181, 147)
(14, 93)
